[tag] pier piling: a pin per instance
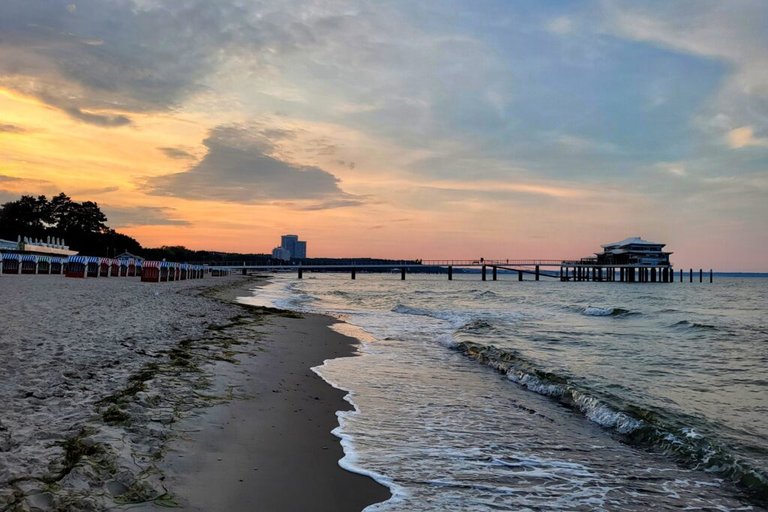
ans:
(537, 272)
(484, 277)
(701, 275)
(450, 272)
(402, 274)
(354, 273)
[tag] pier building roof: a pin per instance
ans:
(636, 240)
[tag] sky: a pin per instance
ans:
(435, 130)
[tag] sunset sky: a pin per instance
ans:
(402, 129)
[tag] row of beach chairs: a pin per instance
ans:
(93, 266)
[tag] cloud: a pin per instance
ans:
(105, 120)
(744, 137)
(142, 216)
(240, 167)
(177, 153)
(103, 59)
(731, 33)
(561, 25)
(86, 192)
(11, 128)
(4, 177)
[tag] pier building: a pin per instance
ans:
(633, 251)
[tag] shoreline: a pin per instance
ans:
(272, 446)
(110, 380)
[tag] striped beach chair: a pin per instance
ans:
(57, 265)
(150, 271)
(76, 266)
(11, 263)
(43, 264)
(28, 264)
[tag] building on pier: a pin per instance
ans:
(633, 251)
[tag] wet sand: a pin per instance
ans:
(129, 395)
(271, 448)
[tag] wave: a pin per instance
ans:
(597, 311)
(477, 326)
(695, 325)
(637, 426)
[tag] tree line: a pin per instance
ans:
(83, 226)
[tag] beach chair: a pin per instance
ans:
(28, 264)
(150, 272)
(77, 266)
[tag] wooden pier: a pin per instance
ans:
(536, 270)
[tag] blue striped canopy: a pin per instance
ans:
(29, 257)
(78, 259)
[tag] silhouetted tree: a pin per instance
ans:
(27, 216)
(82, 225)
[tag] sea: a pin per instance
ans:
(548, 395)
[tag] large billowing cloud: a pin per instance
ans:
(97, 59)
(240, 167)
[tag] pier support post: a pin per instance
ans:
(402, 274)
(561, 271)
(450, 272)
(710, 275)
(519, 275)
(245, 271)
(483, 272)
(537, 272)
(681, 275)
(301, 273)
(690, 275)
(701, 275)
(621, 274)
(354, 272)
(653, 275)
(494, 272)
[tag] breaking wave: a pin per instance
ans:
(637, 426)
(597, 311)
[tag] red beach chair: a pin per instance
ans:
(150, 272)
(77, 266)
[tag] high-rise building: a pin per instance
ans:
(290, 248)
(288, 242)
(301, 250)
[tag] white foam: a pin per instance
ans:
(603, 415)
(535, 384)
(596, 311)
(350, 460)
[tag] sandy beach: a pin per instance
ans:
(136, 396)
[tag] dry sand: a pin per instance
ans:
(125, 395)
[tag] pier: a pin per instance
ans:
(535, 270)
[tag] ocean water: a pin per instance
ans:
(507, 395)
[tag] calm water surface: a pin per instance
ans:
(575, 396)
